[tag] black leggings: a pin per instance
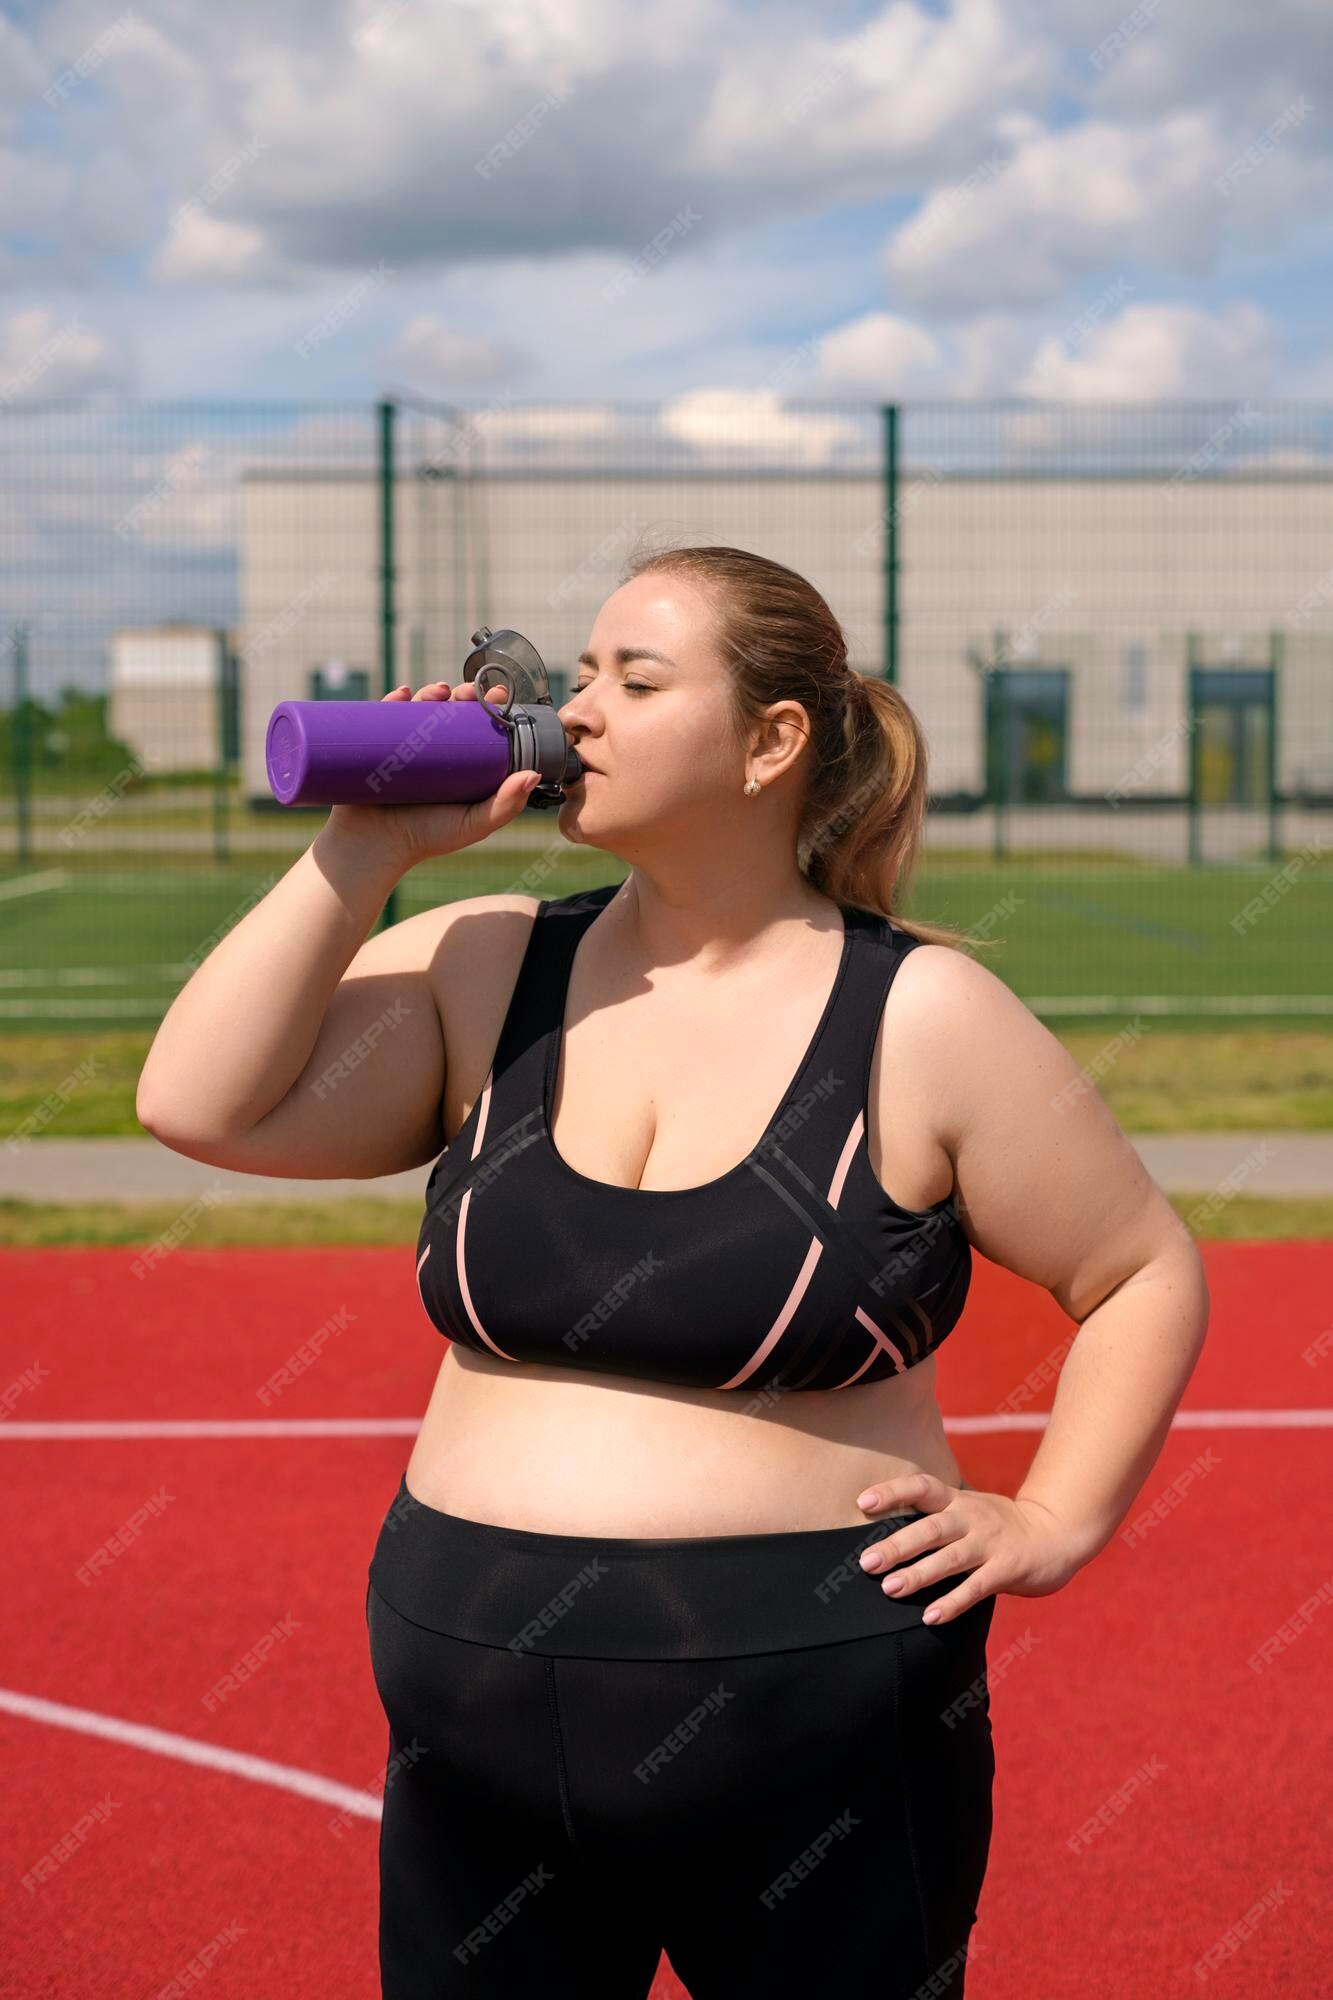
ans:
(733, 1748)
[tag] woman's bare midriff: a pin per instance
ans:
(569, 1451)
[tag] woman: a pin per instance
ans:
(679, 1615)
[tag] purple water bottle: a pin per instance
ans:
(401, 753)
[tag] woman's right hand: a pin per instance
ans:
(416, 833)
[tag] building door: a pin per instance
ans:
(1234, 716)
(335, 681)
(1027, 735)
(1233, 799)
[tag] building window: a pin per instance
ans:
(1134, 678)
(334, 680)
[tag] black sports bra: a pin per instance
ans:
(795, 1270)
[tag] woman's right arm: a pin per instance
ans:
(302, 1046)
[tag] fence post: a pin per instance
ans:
(220, 827)
(388, 604)
(890, 417)
(999, 705)
(22, 745)
(1275, 639)
(1193, 804)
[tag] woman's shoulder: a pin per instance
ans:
(947, 977)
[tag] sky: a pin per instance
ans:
(724, 204)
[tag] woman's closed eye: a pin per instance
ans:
(630, 687)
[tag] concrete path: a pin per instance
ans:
(54, 1170)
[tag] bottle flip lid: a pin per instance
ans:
(508, 659)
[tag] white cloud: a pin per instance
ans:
(44, 356)
(435, 355)
(371, 144)
(1246, 60)
(1076, 201)
(877, 355)
(1162, 351)
(23, 75)
(754, 421)
(33, 190)
(207, 249)
(990, 354)
(768, 119)
(1112, 353)
(904, 94)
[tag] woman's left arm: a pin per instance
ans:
(1048, 1185)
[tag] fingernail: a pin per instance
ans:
(867, 1500)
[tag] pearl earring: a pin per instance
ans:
(752, 786)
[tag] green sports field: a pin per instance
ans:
(1191, 1014)
(1079, 940)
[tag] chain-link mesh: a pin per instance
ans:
(1115, 624)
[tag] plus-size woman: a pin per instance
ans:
(679, 1614)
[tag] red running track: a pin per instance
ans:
(1163, 1786)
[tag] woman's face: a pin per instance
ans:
(648, 716)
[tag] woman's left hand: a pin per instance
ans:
(1002, 1544)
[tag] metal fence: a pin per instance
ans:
(1115, 623)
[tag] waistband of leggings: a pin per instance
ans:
(661, 1598)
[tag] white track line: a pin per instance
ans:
(190, 1750)
(89, 975)
(239, 1427)
(1183, 1420)
(78, 1010)
(31, 885)
(1180, 1003)
(309, 1784)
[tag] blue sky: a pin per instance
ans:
(992, 197)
